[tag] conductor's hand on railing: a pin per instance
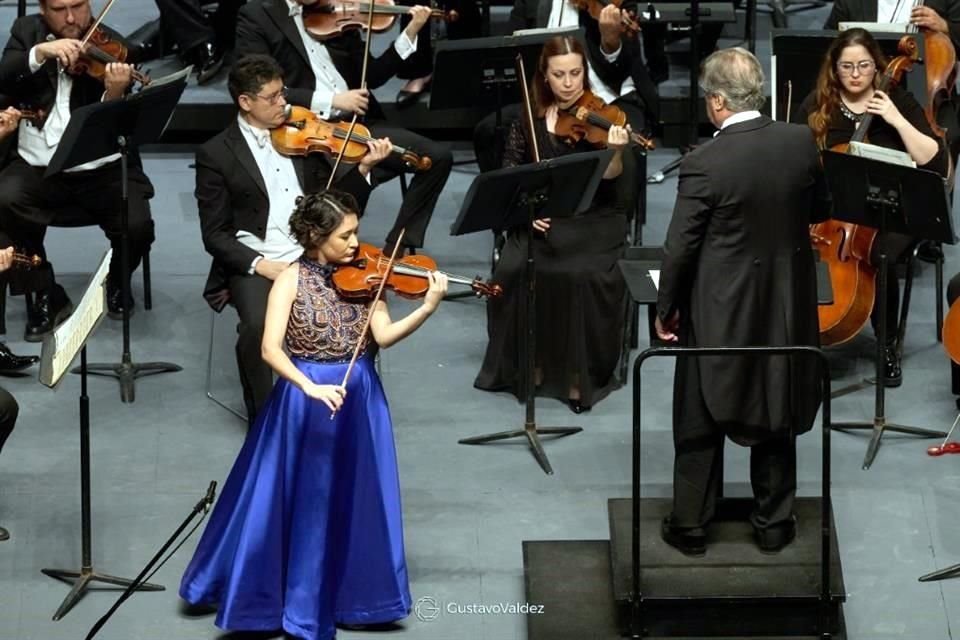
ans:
(331, 395)
(667, 331)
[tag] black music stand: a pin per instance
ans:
(694, 14)
(896, 198)
(59, 349)
(515, 197)
(101, 129)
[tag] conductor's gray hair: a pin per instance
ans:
(735, 75)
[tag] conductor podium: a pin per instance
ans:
(636, 585)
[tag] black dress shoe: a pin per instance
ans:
(688, 541)
(207, 60)
(11, 362)
(892, 374)
(4, 534)
(115, 304)
(774, 539)
(50, 308)
(407, 98)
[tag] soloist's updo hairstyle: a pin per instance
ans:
(317, 215)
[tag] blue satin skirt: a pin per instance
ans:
(307, 532)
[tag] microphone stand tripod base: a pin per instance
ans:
(879, 425)
(533, 433)
(81, 582)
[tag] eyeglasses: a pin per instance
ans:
(273, 98)
(863, 67)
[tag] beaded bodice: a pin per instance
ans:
(323, 326)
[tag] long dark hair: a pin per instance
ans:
(828, 82)
(556, 46)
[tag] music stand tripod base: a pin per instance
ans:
(533, 433)
(81, 582)
(127, 372)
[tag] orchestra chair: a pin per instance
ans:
(931, 253)
(210, 358)
(70, 217)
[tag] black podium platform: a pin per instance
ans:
(735, 591)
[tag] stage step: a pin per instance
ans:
(571, 579)
(734, 588)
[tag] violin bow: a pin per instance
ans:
(366, 323)
(363, 85)
(96, 23)
(527, 108)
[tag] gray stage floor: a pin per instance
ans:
(467, 510)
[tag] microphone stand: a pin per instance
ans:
(202, 506)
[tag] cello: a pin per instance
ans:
(845, 247)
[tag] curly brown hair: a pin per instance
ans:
(828, 82)
(556, 46)
(317, 215)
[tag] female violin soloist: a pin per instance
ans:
(307, 533)
(857, 98)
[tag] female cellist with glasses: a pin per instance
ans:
(847, 93)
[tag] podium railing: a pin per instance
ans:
(636, 594)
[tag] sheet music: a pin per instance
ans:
(655, 276)
(883, 154)
(877, 27)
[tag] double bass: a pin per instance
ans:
(845, 247)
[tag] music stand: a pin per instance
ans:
(101, 129)
(515, 197)
(696, 13)
(59, 350)
(895, 198)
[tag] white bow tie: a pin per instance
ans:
(263, 138)
(296, 10)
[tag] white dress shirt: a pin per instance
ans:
(329, 80)
(894, 11)
(37, 146)
(737, 118)
(564, 13)
(283, 189)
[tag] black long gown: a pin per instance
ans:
(581, 295)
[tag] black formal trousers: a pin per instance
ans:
(28, 203)
(9, 409)
(248, 293)
(425, 186)
(698, 467)
(184, 22)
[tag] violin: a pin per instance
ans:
(846, 247)
(594, 7)
(100, 51)
(26, 261)
(304, 132)
(330, 18)
(590, 118)
(408, 278)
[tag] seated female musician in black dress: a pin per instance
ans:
(847, 91)
(581, 296)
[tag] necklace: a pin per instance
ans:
(849, 114)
